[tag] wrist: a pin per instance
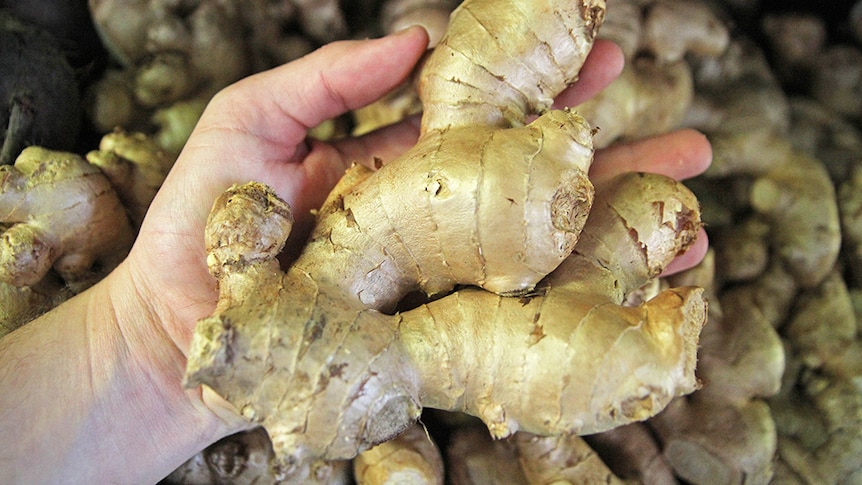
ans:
(169, 423)
(155, 347)
(105, 357)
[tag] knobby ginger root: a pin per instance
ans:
(818, 413)
(204, 36)
(744, 111)
(722, 433)
(798, 198)
(136, 167)
(524, 459)
(63, 214)
(63, 228)
(412, 457)
(673, 29)
(483, 201)
(173, 56)
(425, 357)
(655, 89)
(665, 30)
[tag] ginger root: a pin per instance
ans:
(742, 108)
(724, 432)
(484, 202)
(171, 57)
(63, 215)
(655, 89)
(412, 457)
(136, 167)
(422, 357)
(818, 413)
(475, 459)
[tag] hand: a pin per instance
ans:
(124, 341)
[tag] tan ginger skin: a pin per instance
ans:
(473, 458)
(314, 355)
(63, 214)
(136, 167)
(412, 457)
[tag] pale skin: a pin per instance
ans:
(91, 392)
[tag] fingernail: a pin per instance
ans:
(409, 30)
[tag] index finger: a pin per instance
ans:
(680, 154)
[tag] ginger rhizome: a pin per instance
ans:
(411, 457)
(168, 58)
(485, 202)
(423, 357)
(473, 458)
(136, 166)
(63, 215)
(655, 88)
(819, 410)
(742, 108)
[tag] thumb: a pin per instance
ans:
(255, 129)
(283, 103)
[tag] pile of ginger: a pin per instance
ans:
(760, 385)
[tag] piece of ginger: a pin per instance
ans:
(136, 167)
(63, 215)
(818, 413)
(475, 459)
(482, 201)
(423, 357)
(412, 457)
(740, 105)
(655, 89)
